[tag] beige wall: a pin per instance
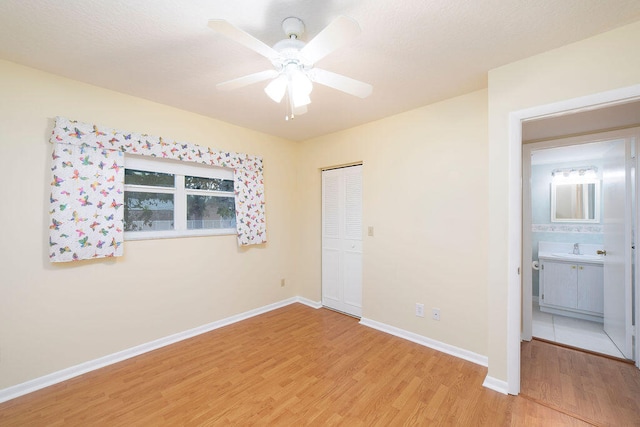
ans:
(55, 316)
(605, 62)
(425, 193)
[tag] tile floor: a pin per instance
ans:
(574, 332)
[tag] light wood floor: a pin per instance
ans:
(292, 366)
(594, 388)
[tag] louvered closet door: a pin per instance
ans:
(342, 239)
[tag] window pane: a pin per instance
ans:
(210, 212)
(156, 179)
(147, 211)
(213, 184)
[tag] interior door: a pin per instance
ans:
(342, 239)
(617, 243)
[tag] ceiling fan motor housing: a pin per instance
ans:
(289, 50)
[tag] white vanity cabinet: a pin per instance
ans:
(572, 288)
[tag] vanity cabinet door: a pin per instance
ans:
(591, 288)
(560, 284)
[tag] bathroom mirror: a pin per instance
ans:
(575, 202)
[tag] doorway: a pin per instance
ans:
(342, 239)
(577, 196)
(515, 295)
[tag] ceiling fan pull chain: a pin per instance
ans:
(290, 106)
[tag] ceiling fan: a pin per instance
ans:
(293, 61)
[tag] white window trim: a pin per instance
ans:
(179, 169)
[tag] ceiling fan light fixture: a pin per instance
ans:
(300, 99)
(277, 88)
(299, 86)
(293, 81)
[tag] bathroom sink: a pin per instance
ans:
(575, 257)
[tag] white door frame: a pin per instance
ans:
(514, 279)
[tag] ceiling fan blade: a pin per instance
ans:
(340, 82)
(247, 80)
(236, 34)
(336, 34)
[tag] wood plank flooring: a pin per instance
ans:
(596, 389)
(292, 366)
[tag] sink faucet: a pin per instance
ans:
(576, 249)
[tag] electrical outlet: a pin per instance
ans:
(282, 283)
(435, 313)
(419, 310)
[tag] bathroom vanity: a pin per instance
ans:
(572, 285)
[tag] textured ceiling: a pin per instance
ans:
(413, 52)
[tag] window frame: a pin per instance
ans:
(179, 170)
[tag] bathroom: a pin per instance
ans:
(578, 212)
(579, 232)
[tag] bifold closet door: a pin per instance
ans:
(342, 239)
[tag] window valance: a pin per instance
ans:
(87, 187)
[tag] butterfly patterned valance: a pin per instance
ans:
(87, 187)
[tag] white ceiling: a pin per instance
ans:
(413, 52)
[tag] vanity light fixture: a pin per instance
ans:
(577, 173)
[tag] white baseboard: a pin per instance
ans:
(91, 365)
(461, 353)
(310, 303)
(496, 385)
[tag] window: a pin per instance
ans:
(166, 198)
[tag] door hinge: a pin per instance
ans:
(543, 296)
(518, 271)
